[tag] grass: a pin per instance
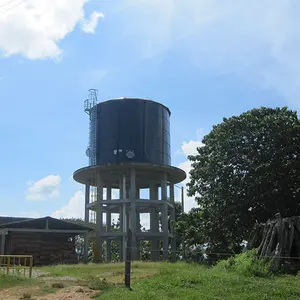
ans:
(7, 281)
(189, 282)
(233, 279)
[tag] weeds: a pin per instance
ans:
(246, 264)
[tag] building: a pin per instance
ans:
(48, 240)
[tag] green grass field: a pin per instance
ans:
(170, 281)
(182, 281)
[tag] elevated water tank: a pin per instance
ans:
(131, 130)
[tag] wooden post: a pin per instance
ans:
(128, 259)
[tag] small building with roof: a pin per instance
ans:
(48, 240)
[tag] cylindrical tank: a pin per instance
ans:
(131, 130)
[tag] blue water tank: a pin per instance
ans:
(131, 130)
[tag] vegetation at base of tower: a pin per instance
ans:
(247, 170)
(243, 277)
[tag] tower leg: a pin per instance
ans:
(164, 215)
(108, 227)
(133, 214)
(99, 220)
(173, 240)
(123, 217)
(154, 223)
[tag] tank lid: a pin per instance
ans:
(135, 98)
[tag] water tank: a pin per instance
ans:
(131, 130)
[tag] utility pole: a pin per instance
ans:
(182, 198)
(182, 204)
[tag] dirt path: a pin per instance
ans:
(74, 291)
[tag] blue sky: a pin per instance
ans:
(204, 59)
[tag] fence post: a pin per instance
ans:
(128, 259)
(30, 266)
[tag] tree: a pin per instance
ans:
(247, 171)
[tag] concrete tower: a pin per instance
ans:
(129, 156)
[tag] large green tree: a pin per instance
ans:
(247, 170)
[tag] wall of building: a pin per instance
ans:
(46, 248)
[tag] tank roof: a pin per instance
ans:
(136, 98)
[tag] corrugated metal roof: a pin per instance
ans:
(40, 223)
(5, 220)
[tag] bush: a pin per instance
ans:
(247, 264)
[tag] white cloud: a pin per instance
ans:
(90, 25)
(34, 28)
(258, 40)
(44, 188)
(74, 209)
(189, 148)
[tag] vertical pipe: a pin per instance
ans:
(86, 220)
(99, 219)
(165, 228)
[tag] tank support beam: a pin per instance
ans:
(133, 217)
(154, 223)
(108, 226)
(173, 240)
(164, 216)
(130, 205)
(99, 219)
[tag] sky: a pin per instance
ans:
(204, 59)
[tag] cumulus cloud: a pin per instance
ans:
(34, 28)
(90, 25)
(189, 148)
(258, 40)
(43, 189)
(74, 209)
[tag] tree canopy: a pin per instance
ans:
(247, 170)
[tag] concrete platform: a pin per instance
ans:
(145, 174)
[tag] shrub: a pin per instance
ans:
(247, 264)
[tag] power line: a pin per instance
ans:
(4, 4)
(11, 6)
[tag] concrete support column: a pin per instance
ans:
(173, 240)
(133, 219)
(154, 223)
(164, 217)
(108, 226)
(99, 219)
(86, 220)
(138, 226)
(123, 217)
(138, 229)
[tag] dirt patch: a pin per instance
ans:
(74, 293)
(70, 292)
